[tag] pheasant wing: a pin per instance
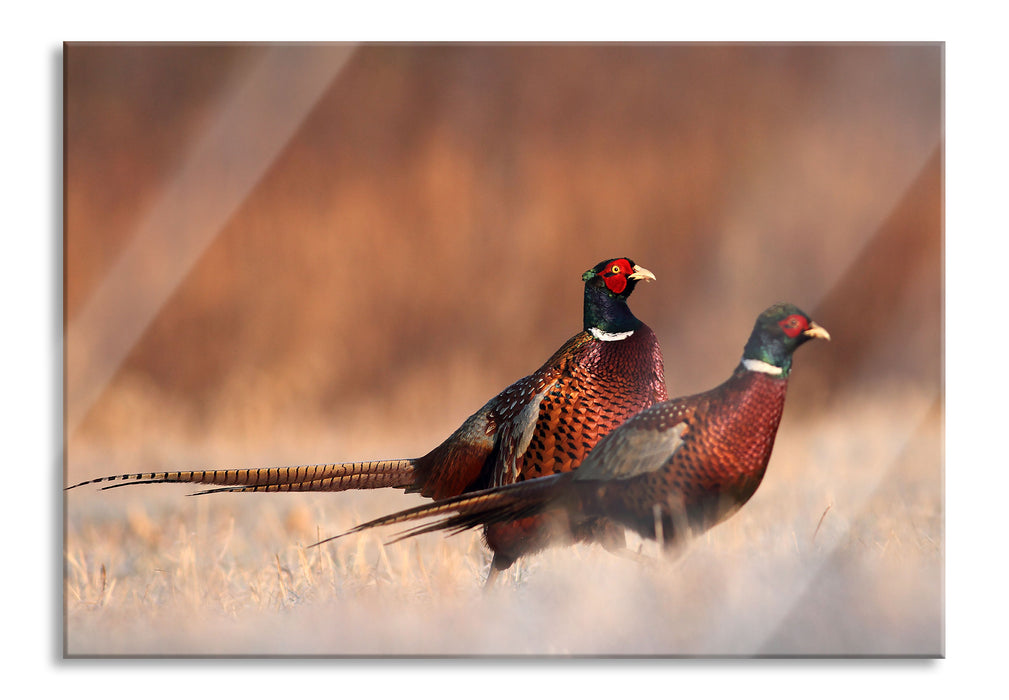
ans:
(644, 443)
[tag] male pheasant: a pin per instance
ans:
(542, 424)
(678, 467)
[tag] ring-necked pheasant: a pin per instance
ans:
(542, 424)
(681, 466)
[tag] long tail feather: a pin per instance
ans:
(398, 473)
(472, 510)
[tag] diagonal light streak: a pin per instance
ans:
(255, 119)
(729, 635)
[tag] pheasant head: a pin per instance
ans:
(777, 333)
(607, 286)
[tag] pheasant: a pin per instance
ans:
(678, 467)
(543, 424)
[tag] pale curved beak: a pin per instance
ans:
(816, 331)
(641, 273)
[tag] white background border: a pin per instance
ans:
(976, 292)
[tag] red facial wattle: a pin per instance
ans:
(615, 275)
(794, 325)
(616, 283)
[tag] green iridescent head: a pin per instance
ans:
(777, 333)
(607, 286)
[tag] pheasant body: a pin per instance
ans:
(680, 466)
(727, 437)
(596, 387)
(583, 392)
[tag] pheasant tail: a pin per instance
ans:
(503, 504)
(397, 473)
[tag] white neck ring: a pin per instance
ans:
(609, 337)
(761, 366)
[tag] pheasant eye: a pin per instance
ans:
(616, 283)
(615, 269)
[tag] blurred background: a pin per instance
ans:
(314, 253)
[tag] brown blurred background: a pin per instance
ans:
(417, 243)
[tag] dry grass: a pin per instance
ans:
(840, 552)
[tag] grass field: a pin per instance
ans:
(840, 552)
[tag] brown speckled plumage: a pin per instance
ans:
(727, 435)
(587, 388)
(583, 391)
(598, 385)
